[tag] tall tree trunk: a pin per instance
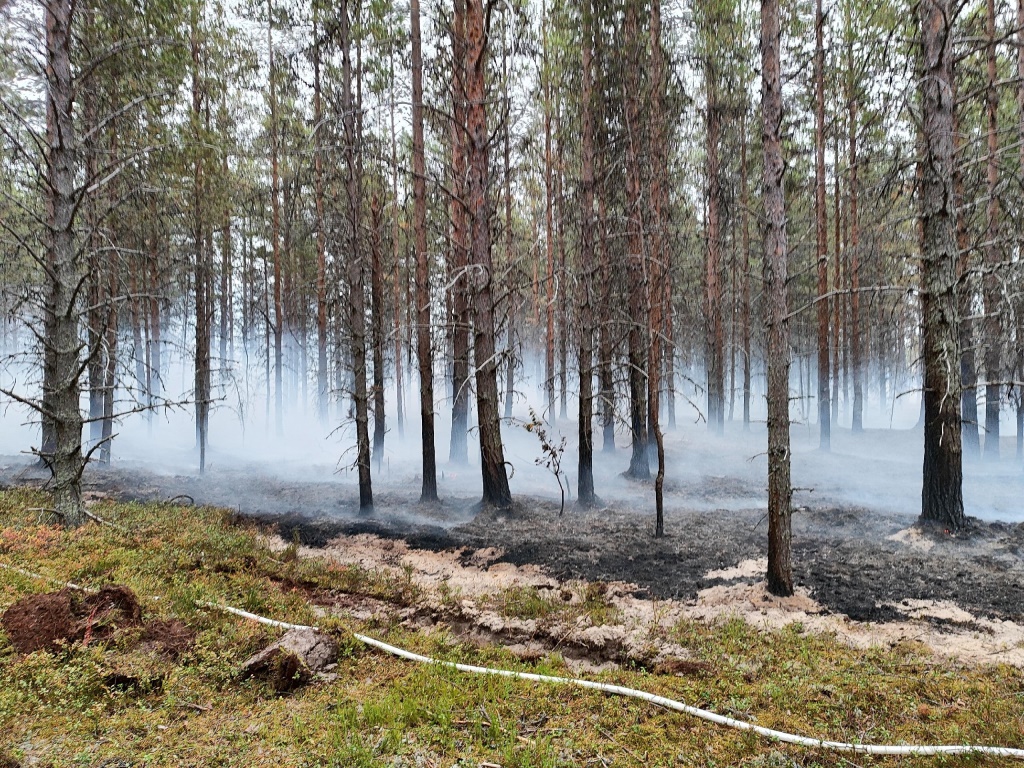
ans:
(1020, 141)
(424, 351)
(322, 375)
(855, 329)
(510, 352)
(109, 364)
(639, 463)
(492, 458)
(837, 275)
(715, 343)
(355, 266)
(605, 347)
(821, 227)
(659, 256)
(780, 491)
(562, 283)
(549, 227)
(226, 270)
(377, 324)
(993, 322)
(95, 317)
(942, 488)
(458, 450)
(200, 277)
(585, 466)
(396, 265)
(62, 357)
(155, 325)
(138, 346)
(745, 218)
(965, 301)
(275, 236)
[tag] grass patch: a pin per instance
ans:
(59, 707)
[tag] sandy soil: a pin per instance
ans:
(867, 576)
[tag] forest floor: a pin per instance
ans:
(866, 575)
(896, 633)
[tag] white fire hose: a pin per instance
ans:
(678, 706)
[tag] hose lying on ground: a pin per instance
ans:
(678, 706)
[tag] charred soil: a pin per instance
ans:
(854, 561)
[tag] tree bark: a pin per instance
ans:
(396, 266)
(1020, 315)
(201, 277)
(585, 467)
(715, 343)
(658, 270)
(355, 266)
(424, 351)
(549, 228)
(510, 351)
(821, 228)
(377, 325)
(639, 463)
(322, 375)
(492, 458)
(62, 357)
(745, 225)
(275, 236)
(857, 373)
(965, 300)
(461, 324)
(993, 322)
(780, 492)
(942, 492)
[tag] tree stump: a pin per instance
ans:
(293, 661)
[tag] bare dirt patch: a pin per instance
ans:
(42, 622)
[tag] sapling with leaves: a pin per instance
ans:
(551, 453)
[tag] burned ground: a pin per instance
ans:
(855, 561)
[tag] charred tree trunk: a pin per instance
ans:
(942, 491)
(492, 458)
(780, 491)
(424, 351)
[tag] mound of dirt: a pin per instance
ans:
(42, 622)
